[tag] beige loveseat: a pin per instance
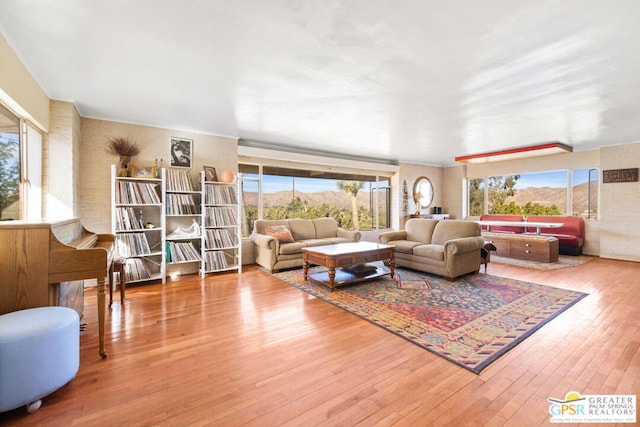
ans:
(276, 249)
(449, 248)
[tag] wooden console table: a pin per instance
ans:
(527, 247)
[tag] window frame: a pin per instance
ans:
(376, 182)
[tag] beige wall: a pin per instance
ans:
(409, 172)
(620, 205)
(19, 90)
(95, 163)
(61, 165)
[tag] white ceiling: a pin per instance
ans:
(406, 80)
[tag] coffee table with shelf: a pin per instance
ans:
(336, 258)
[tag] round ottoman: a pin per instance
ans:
(39, 353)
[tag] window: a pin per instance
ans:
(539, 193)
(356, 201)
(476, 196)
(584, 193)
(542, 193)
(10, 206)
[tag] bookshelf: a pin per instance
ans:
(220, 243)
(138, 224)
(182, 238)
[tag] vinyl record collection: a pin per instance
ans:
(132, 244)
(220, 216)
(136, 193)
(182, 252)
(179, 180)
(220, 195)
(218, 238)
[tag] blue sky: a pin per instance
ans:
(557, 179)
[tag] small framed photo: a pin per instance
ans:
(143, 171)
(210, 174)
(181, 151)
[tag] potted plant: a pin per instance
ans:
(125, 149)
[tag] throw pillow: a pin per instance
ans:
(280, 232)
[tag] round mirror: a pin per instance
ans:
(422, 193)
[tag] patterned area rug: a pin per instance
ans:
(471, 321)
(564, 261)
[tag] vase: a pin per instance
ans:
(123, 166)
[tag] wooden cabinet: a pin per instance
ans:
(525, 247)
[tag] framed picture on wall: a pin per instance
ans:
(181, 152)
(143, 171)
(210, 173)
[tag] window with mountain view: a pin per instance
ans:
(357, 202)
(541, 193)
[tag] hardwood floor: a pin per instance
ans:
(249, 349)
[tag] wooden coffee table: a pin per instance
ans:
(342, 255)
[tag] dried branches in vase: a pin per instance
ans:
(125, 149)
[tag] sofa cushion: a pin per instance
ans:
(430, 251)
(325, 227)
(292, 248)
(420, 230)
(302, 229)
(336, 240)
(404, 246)
(453, 229)
(260, 225)
(316, 242)
(280, 232)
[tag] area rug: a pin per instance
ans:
(564, 261)
(471, 321)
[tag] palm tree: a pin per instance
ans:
(352, 188)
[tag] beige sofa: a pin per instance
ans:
(449, 248)
(275, 249)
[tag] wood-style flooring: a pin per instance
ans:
(248, 349)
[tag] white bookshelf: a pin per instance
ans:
(221, 242)
(182, 238)
(138, 224)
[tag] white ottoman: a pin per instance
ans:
(39, 353)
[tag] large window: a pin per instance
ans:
(585, 193)
(10, 206)
(540, 193)
(357, 202)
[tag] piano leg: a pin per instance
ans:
(101, 315)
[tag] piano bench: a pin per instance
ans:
(117, 266)
(39, 353)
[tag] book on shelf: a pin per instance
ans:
(136, 193)
(136, 269)
(218, 260)
(220, 216)
(132, 244)
(179, 180)
(181, 204)
(182, 252)
(220, 195)
(219, 238)
(126, 219)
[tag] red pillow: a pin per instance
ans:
(280, 232)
